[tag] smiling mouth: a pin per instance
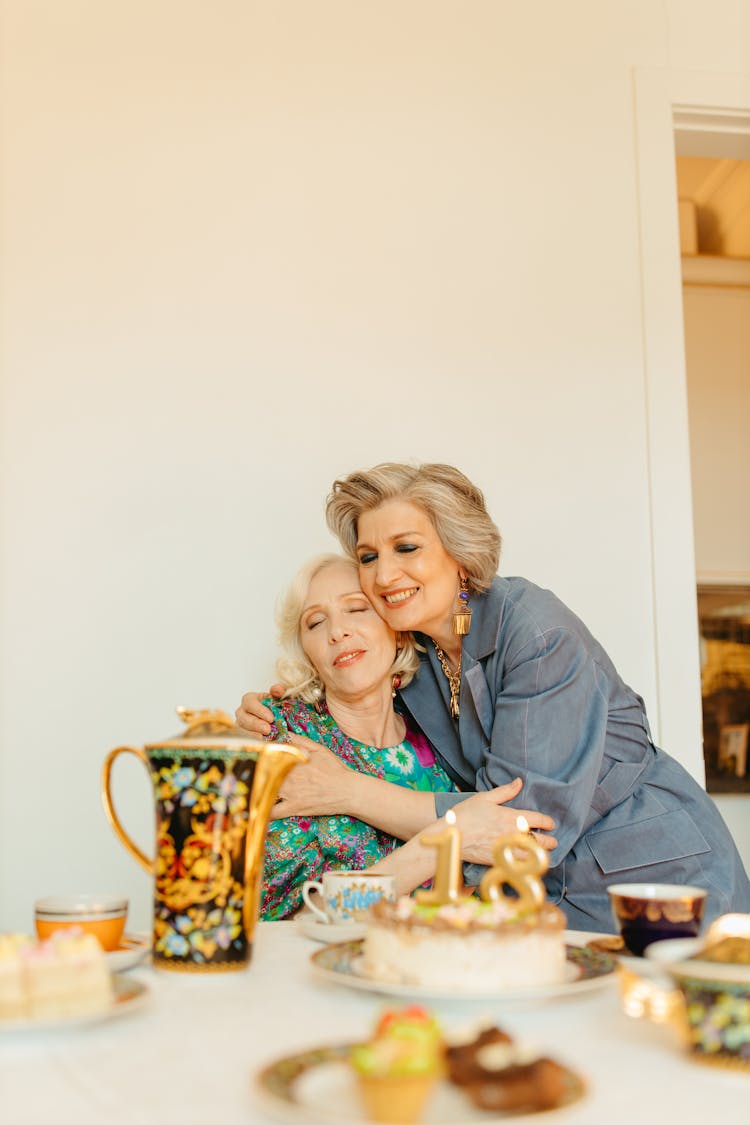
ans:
(347, 658)
(400, 596)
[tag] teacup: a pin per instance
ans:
(348, 895)
(649, 912)
(101, 915)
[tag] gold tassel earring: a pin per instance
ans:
(462, 614)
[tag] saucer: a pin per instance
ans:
(132, 949)
(329, 932)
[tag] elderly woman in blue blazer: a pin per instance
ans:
(511, 686)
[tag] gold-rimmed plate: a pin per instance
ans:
(317, 1087)
(586, 969)
(129, 996)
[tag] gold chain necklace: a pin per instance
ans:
(453, 678)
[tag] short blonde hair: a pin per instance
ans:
(453, 504)
(299, 677)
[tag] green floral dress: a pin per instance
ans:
(299, 847)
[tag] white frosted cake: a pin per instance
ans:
(67, 975)
(13, 1003)
(471, 945)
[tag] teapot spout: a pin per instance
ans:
(275, 760)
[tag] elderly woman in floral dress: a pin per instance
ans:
(341, 666)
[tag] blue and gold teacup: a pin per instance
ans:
(346, 896)
(650, 912)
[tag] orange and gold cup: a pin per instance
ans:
(101, 915)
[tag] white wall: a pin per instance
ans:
(249, 247)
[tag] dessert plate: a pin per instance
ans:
(341, 964)
(329, 932)
(129, 996)
(133, 948)
(317, 1088)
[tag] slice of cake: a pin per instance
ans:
(472, 945)
(66, 975)
(13, 1002)
(398, 1068)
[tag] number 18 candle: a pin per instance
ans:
(522, 873)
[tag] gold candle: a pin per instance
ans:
(523, 873)
(447, 884)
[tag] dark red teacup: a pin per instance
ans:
(649, 912)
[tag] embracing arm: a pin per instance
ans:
(413, 863)
(326, 786)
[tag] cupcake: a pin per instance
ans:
(399, 1067)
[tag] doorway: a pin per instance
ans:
(714, 214)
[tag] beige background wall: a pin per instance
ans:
(249, 247)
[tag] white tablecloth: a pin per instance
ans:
(190, 1054)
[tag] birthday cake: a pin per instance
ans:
(469, 945)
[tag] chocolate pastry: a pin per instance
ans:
(463, 1067)
(530, 1086)
(497, 1075)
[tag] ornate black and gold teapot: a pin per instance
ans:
(213, 790)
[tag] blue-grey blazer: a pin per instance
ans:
(541, 700)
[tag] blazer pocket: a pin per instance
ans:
(617, 784)
(642, 843)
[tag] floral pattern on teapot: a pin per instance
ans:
(202, 808)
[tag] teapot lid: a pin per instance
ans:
(208, 727)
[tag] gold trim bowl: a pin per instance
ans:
(715, 990)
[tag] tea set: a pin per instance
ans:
(214, 790)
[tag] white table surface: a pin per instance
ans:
(190, 1054)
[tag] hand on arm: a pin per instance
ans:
(326, 786)
(483, 817)
(252, 715)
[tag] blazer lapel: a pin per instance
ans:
(479, 645)
(480, 695)
(424, 701)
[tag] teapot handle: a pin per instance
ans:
(109, 808)
(275, 759)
